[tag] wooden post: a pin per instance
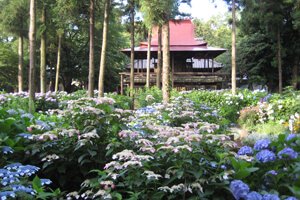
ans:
(213, 65)
(208, 63)
(142, 65)
(122, 84)
(172, 57)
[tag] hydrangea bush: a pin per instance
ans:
(269, 170)
(180, 150)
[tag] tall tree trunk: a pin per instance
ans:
(148, 58)
(166, 63)
(132, 48)
(32, 56)
(295, 73)
(20, 63)
(159, 59)
(103, 50)
(279, 61)
(58, 62)
(43, 54)
(233, 58)
(91, 56)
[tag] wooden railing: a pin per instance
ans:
(188, 80)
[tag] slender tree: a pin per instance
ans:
(32, 35)
(233, 49)
(20, 62)
(166, 62)
(103, 50)
(15, 23)
(43, 52)
(91, 53)
(158, 12)
(148, 58)
(132, 31)
(159, 58)
(279, 61)
(60, 34)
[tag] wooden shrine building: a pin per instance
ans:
(192, 60)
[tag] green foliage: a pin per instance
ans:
(215, 31)
(260, 23)
(8, 65)
(147, 96)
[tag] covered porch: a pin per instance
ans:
(192, 61)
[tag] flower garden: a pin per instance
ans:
(76, 147)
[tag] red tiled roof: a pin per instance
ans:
(182, 39)
(181, 34)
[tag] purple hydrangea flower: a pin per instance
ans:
(290, 137)
(270, 197)
(262, 144)
(265, 156)
(287, 153)
(245, 150)
(239, 189)
(253, 196)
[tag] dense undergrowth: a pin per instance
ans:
(76, 147)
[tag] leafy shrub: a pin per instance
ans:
(248, 117)
(147, 96)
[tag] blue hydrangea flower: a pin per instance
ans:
(7, 194)
(28, 170)
(213, 164)
(253, 196)
(265, 156)
(272, 172)
(291, 198)
(26, 135)
(3, 172)
(223, 167)
(262, 144)
(9, 180)
(12, 112)
(21, 188)
(239, 189)
(13, 166)
(27, 115)
(270, 197)
(46, 181)
(287, 153)
(245, 150)
(7, 150)
(290, 137)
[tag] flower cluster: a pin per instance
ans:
(7, 150)
(12, 177)
(287, 153)
(265, 156)
(262, 144)
(241, 190)
(245, 150)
